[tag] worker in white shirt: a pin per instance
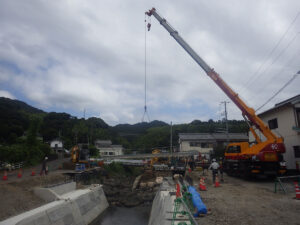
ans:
(214, 166)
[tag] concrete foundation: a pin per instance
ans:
(78, 207)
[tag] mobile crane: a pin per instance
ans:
(263, 157)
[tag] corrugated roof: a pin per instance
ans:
(213, 136)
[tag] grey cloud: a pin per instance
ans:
(90, 54)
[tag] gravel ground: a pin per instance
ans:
(247, 202)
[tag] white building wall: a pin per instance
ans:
(286, 121)
(185, 146)
(58, 143)
(111, 151)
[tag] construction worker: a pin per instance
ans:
(214, 166)
(44, 170)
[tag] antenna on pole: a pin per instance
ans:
(145, 106)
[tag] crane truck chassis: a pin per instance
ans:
(263, 157)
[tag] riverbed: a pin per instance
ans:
(124, 216)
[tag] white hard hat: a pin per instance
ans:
(46, 157)
(214, 160)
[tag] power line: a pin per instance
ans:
(280, 72)
(284, 86)
(277, 57)
(256, 73)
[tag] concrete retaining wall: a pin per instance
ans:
(78, 207)
(163, 204)
(55, 192)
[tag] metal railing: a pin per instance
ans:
(286, 184)
(11, 166)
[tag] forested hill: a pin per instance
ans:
(15, 118)
(21, 124)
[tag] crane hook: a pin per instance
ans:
(149, 26)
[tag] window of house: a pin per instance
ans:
(297, 151)
(111, 153)
(273, 124)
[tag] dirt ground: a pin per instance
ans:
(236, 202)
(247, 202)
(17, 196)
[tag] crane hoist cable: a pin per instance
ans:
(147, 27)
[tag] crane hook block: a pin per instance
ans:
(149, 26)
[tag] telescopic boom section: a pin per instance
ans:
(248, 112)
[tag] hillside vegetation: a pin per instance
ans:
(25, 132)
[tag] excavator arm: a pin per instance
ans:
(247, 112)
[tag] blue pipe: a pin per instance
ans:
(198, 204)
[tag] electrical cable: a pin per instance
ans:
(277, 57)
(280, 72)
(284, 86)
(256, 73)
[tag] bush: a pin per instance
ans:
(115, 169)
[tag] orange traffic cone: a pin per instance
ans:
(177, 191)
(297, 190)
(217, 183)
(20, 173)
(202, 186)
(33, 172)
(5, 175)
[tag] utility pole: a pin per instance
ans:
(226, 120)
(171, 140)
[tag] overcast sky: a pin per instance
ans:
(67, 56)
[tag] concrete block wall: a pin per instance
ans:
(78, 207)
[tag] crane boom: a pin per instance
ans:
(248, 112)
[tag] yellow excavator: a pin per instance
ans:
(79, 155)
(264, 156)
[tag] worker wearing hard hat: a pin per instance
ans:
(44, 170)
(214, 166)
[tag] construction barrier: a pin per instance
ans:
(178, 194)
(5, 175)
(202, 186)
(286, 184)
(20, 173)
(33, 172)
(297, 190)
(217, 183)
